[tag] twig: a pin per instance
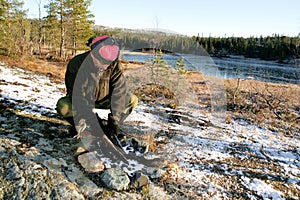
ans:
(261, 150)
(236, 90)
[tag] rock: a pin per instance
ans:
(90, 162)
(139, 180)
(87, 140)
(80, 150)
(85, 185)
(135, 145)
(154, 173)
(54, 164)
(115, 179)
(32, 152)
(44, 144)
(28, 180)
(13, 171)
(156, 192)
(62, 188)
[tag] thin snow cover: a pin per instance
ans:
(133, 167)
(198, 150)
(34, 92)
(261, 188)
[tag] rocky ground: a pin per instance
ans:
(206, 158)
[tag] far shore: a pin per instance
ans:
(135, 52)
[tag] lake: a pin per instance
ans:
(233, 67)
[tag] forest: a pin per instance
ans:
(68, 25)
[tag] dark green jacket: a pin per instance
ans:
(89, 87)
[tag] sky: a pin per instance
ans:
(216, 18)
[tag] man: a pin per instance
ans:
(95, 79)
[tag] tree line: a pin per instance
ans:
(143, 40)
(68, 25)
(273, 47)
(64, 30)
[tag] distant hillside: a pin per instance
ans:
(141, 31)
(275, 47)
(169, 41)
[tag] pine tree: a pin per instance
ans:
(74, 23)
(52, 27)
(80, 25)
(14, 28)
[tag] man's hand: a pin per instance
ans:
(112, 126)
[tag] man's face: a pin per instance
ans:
(98, 64)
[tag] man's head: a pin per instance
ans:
(105, 50)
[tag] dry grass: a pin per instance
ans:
(55, 70)
(271, 105)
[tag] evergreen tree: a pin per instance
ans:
(80, 25)
(14, 28)
(73, 19)
(52, 27)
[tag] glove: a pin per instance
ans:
(112, 127)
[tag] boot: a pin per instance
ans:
(72, 130)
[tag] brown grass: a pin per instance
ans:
(55, 70)
(271, 105)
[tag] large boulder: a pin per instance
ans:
(91, 162)
(115, 179)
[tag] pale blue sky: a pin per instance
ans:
(190, 17)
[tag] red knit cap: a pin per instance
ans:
(99, 39)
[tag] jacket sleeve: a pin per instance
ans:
(118, 91)
(72, 71)
(70, 78)
(81, 87)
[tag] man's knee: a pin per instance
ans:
(64, 107)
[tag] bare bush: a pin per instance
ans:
(274, 106)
